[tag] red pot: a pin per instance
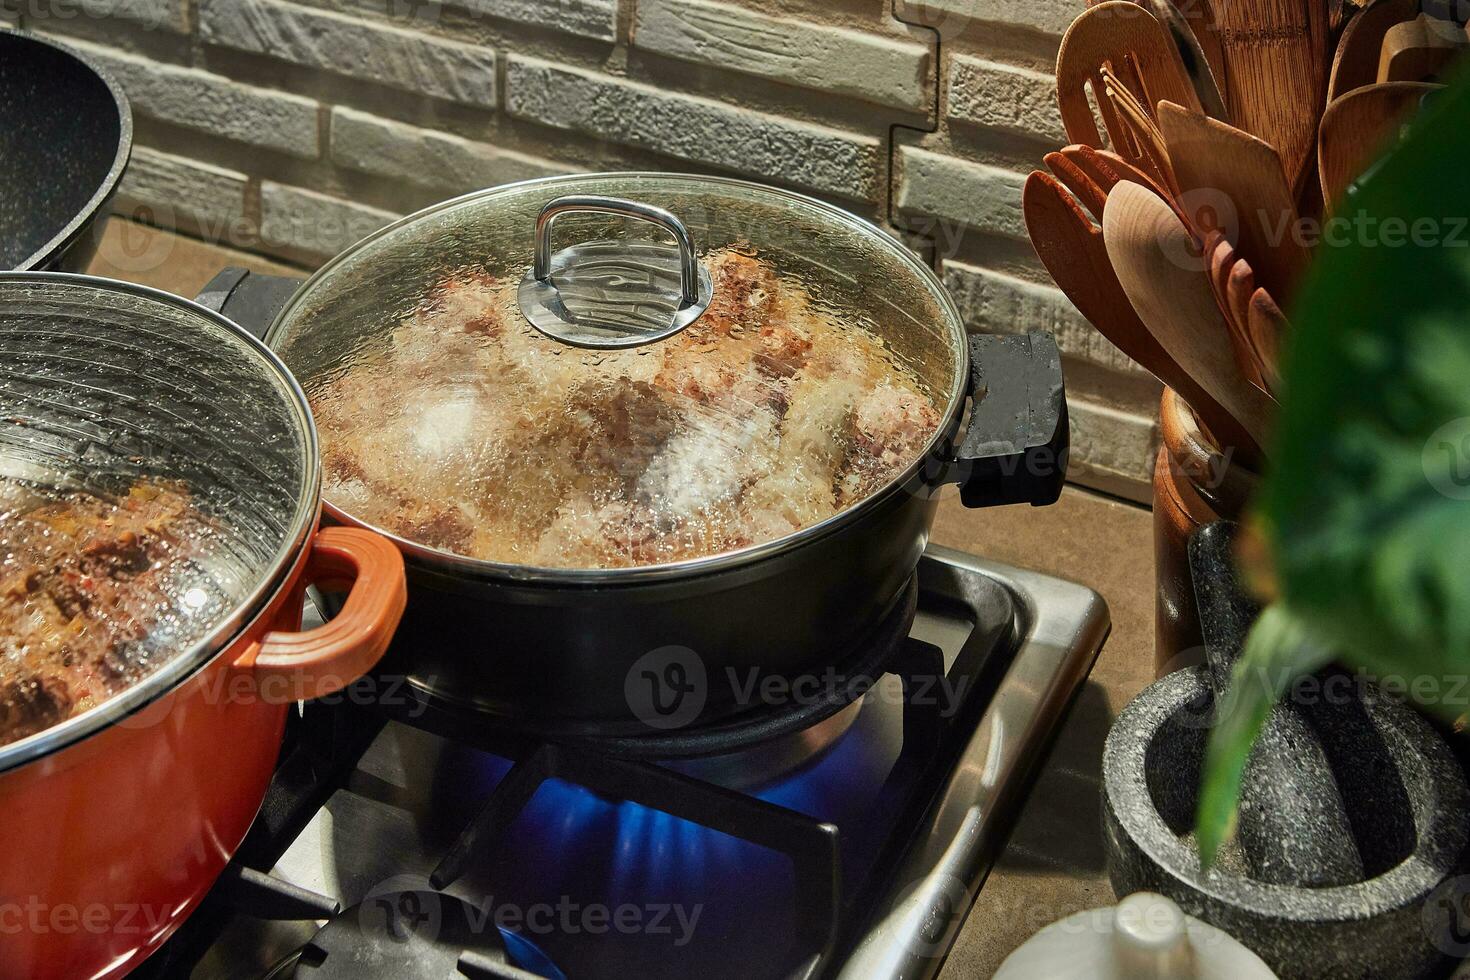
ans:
(115, 823)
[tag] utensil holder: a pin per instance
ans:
(1195, 483)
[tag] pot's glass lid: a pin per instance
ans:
(157, 470)
(620, 371)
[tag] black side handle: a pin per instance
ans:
(251, 299)
(1015, 447)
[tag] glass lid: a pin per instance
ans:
(620, 371)
(157, 474)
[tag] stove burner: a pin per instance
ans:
(848, 864)
(407, 935)
(792, 722)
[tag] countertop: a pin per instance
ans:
(1053, 864)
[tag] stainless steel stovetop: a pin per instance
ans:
(856, 855)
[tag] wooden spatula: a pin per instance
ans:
(1071, 247)
(1198, 39)
(1191, 26)
(1358, 126)
(1420, 50)
(1126, 37)
(1277, 82)
(1361, 46)
(1144, 239)
(1220, 169)
(1150, 152)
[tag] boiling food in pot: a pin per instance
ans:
(470, 432)
(93, 591)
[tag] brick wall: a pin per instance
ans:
(294, 127)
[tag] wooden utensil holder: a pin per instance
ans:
(1194, 484)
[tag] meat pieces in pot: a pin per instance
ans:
(84, 582)
(766, 415)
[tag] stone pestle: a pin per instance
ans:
(1294, 828)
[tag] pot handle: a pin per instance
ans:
(1015, 448)
(303, 665)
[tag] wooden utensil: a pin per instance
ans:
(1238, 290)
(1204, 65)
(1277, 81)
(1071, 247)
(1105, 168)
(1420, 50)
(1268, 328)
(1191, 26)
(1126, 37)
(1219, 169)
(1150, 152)
(1220, 256)
(1221, 262)
(1357, 127)
(1361, 46)
(1145, 239)
(1082, 186)
(1127, 171)
(1259, 329)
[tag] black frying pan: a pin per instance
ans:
(65, 137)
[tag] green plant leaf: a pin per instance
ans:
(1366, 505)
(1368, 546)
(1278, 650)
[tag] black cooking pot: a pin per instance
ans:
(66, 134)
(655, 644)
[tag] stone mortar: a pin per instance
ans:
(1390, 926)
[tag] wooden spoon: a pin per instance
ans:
(1361, 46)
(1145, 241)
(1277, 82)
(1420, 50)
(1357, 127)
(1127, 38)
(1220, 169)
(1071, 247)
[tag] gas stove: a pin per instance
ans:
(840, 836)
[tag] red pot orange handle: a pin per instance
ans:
(311, 664)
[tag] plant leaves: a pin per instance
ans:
(1367, 504)
(1366, 507)
(1278, 650)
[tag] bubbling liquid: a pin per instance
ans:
(468, 431)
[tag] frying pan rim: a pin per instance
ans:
(73, 229)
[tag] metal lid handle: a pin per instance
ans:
(613, 294)
(688, 264)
